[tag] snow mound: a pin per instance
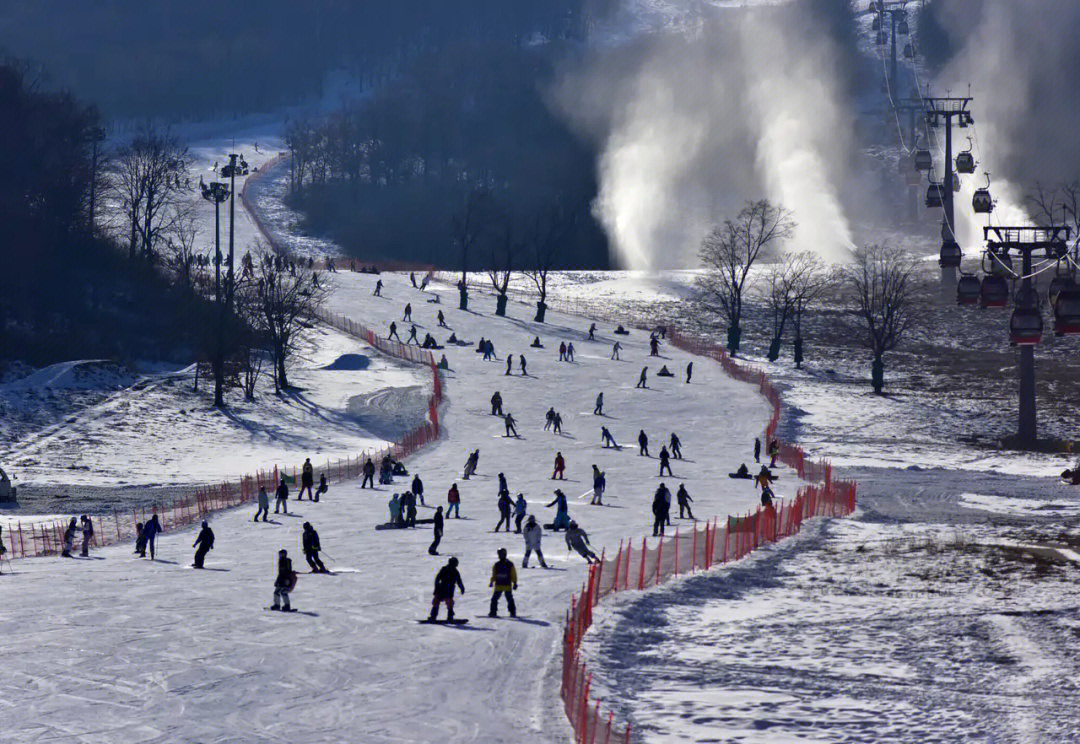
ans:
(349, 363)
(86, 374)
(390, 413)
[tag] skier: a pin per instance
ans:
(312, 548)
(676, 446)
(504, 579)
(665, 461)
(442, 320)
(395, 510)
(689, 371)
(307, 481)
(511, 430)
(445, 581)
(549, 418)
(453, 498)
(578, 539)
(204, 543)
(521, 361)
(660, 507)
(643, 443)
(407, 316)
(323, 487)
(684, 502)
(408, 507)
(757, 450)
(520, 506)
(87, 534)
(505, 504)
(562, 351)
(560, 467)
(607, 439)
(509, 364)
(436, 532)
(282, 495)
(284, 583)
(378, 288)
(599, 409)
(533, 535)
(615, 351)
(592, 330)
(150, 532)
(496, 404)
(570, 352)
(558, 423)
(393, 332)
(599, 483)
(562, 511)
(69, 538)
(641, 380)
(774, 452)
(471, 462)
(369, 475)
(418, 488)
(412, 336)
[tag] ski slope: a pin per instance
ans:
(115, 649)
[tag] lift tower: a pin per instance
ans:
(945, 110)
(1050, 243)
(895, 11)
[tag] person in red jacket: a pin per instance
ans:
(560, 467)
(454, 499)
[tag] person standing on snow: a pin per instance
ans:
(511, 430)
(562, 511)
(412, 336)
(757, 450)
(395, 510)
(599, 409)
(509, 364)
(660, 506)
(599, 482)
(504, 579)
(496, 404)
(505, 505)
(689, 371)
(570, 352)
(471, 462)
(521, 361)
(683, 497)
(607, 439)
(408, 506)
(284, 583)
(774, 452)
(558, 423)
(378, 288)
(282, 495)
(204, 543)
(615, 351)
(369, 475)
(643, 443)
(578, 540)
(665, 461)
(560, 467)
(307, 481)
(442, 320)
(549, 418)
(520, 506)
(533, 535)
(393, 332)
(654, 346)
(418, 488)
(436, 531)
(562, 351)
(87, 534)
(445, 580)
(641, 380)
(69, 538)
(323, 487)
(407, 315)
(453, 498)
(676, 446)
(150, 532)
(592, 331)
(311, 549)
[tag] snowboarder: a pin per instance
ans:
(665, 461)
(323, 487)
(660, 506)
(408, 508)
(764, 478)
(69, 538)
(504, 579)
(533, 535)
(562, 511)
(757, 450)
(284, 583)
(312, 548)
(592, 331)
(654, 346)
(615, 351)
(496, 404)
(445, 581)
(684, 502)
(393, 332)
(407, 315)
(774, 452)
(412, 336)
(436, 531)
(282, 495)
(471, 462)
(641, 380)
(607, 439)
(549, 418)
(442, 320)
(369, 475)
(599, 483)
(536, 343)
(578, 539)
(562, 351)
(560, 467)
(395, 510)
(503, 486)
(505, 505)
(664, 372)
(689, 371)
(676, 446)
(521, 361)
(453, 498)
(558, 423)
(418, 489)
(378, 288)
(599, 409)
(204, 543)
(307, 481)
(509, 364)
(520, 506)
(570, 352)
(87, 528)
(511, 430)
(643, 443)
(766, 497)
(150, 532)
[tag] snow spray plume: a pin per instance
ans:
(706, 109)
(1022, 60)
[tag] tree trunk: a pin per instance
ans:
(463, 297)
(798, 352)
(541, 311)
(500, 305)
(774, 349)
(734, 333)
(877, 374)
(283, 381)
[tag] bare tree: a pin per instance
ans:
(504, 250)
(287, 300)
(1058, 205)
(147, 179)
(180, 250)
(779, 300)
(466, 230)
(252, 352)
(549, 230)
(729, 252)
(882, 288)
(810, 280)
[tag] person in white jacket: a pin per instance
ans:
(533, 534)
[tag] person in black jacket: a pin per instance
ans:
(418, 489)
(643, 443)
(505, 504)
(445, 581)
(369, 475)
(307, 481)
(683, 497)
(323, 487)
(204, 543)
(665, 461)
(284, 582)
(282, 500)
(312, 548)
(436, 531)
(660, 506)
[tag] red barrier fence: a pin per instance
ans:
(48, 538)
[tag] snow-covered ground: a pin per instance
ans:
(118, 650)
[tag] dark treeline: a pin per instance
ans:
(65, 292)
(177, 58)
(387, 177)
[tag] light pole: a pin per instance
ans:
(217, 192)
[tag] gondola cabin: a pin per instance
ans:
(1025, 327)
(967, 290)
(934, 195)
(1067, 313)
(950, 255)
(994, 291)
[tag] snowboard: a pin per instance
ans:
(391, 526)
(271, 609)
(455, 621)
(740, 477)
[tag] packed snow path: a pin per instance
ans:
(116, 649)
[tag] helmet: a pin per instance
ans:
(451, 562)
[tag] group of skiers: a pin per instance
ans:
(85, 525)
